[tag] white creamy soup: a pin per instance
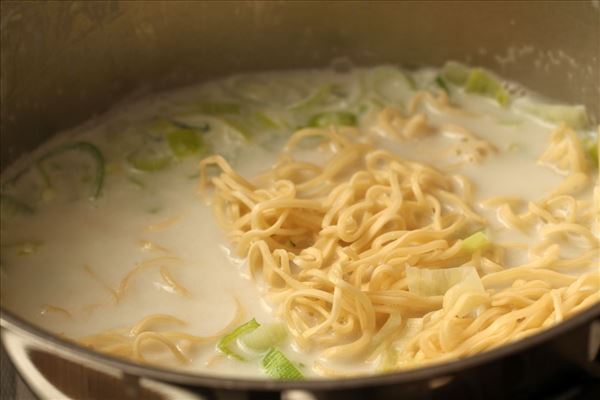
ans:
(412, 218)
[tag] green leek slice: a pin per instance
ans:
(475, 80)
(592, 149)
(483, 83)
(239, 126)
(249, 124)
(228, 342)
(263, 121)
(475, 242)
(318, 98)
(573, 115)
(328, 96)
(263, 337)
(85, 148)
(456, 73)
(151, 157)
(276, 365)
(327, 119)
(201, 126)
(441, 82)
(185, 142)
(165, 141)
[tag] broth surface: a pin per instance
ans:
(62, 265)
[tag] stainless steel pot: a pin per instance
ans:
(63, 62)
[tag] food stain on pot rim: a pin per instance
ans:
(292, 225)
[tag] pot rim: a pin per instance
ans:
(16, 324)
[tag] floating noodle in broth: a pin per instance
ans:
(390, 220)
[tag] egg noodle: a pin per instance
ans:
(285, 225)
(145, 338)
(341, 248)
(148, 336)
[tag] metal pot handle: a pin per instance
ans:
(593, 350)
(37, 365)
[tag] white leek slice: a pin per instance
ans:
(263, 337)
(227, 342)
(272, 91)
(410, 330)
(436, 282)
(573, 115)
(391, 84)
(461, 286)
(335, 95)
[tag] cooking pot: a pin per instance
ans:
(64, 62)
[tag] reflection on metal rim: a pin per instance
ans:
(73, 351)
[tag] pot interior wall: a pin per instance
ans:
(63, 62)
